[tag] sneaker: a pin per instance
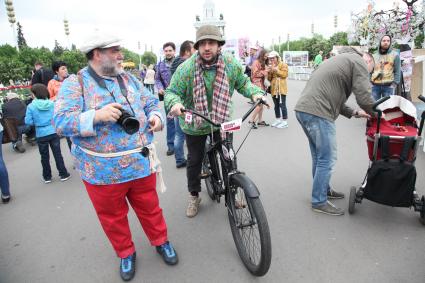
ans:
(263, 123)
(128, 267)
(170, 152)
(329, 209)
(168, 253)
(5, 199)
(193, 206)
(47, 181)
(282, 125)
(18, 147)
(254, 125)
(182, 165)
(335, 195)
(66, 177)
(276, 122)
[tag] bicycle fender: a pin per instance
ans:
(244, 182)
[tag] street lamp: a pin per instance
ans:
(66, 27)
(140, 56)
(11, 18)
(279, 45)
(287, 41)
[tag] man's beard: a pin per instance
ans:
(211, 61)
(109, 68)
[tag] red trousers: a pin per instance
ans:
(110, 203)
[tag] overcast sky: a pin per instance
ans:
(155, 22)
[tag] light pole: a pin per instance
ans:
(287, 42)
(279, 45)
(140, 56)
(12, 19)
(66, 28)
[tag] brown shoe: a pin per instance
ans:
(193, 206)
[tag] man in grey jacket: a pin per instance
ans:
(320, 104)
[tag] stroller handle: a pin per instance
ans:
(381, 100)
(421, 125)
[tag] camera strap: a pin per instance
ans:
(101, 82)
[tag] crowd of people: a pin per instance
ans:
(109, 119)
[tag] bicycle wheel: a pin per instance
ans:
(206, 171)
(250, 231)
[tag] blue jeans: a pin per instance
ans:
(179, 143)
(171, 133)
(321, 136)
(43, 146)
(280, 106)
(379, 91)
(4, 176)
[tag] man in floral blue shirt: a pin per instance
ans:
(115, 163)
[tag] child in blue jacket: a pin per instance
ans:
(40, 114)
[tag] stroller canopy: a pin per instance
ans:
(403, 104)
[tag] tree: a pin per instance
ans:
(58, 49)
(21, 39)
(8, 51)
(12, 69)
(339, 38)
(149, 58)
(74, 59)
(130, 56)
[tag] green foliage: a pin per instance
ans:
(130, 56)
(316, 43)
(339, 38)
(74, 59)
(11, 69)
(8, 51)
(419, 40)
(149, 58)
(58, 49)
(21, 39)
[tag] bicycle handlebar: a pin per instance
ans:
(258, 102)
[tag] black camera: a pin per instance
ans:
(128, 122)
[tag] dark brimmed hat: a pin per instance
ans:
(208, 32)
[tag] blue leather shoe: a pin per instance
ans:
(128, 267)
(168, 253)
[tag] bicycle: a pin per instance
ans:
(246, 214)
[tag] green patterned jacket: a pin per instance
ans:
(180, 89)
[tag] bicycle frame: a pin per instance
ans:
(227, 156)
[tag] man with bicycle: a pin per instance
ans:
(205, 82)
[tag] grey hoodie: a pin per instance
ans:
(333, 82)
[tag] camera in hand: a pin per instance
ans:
(128, 122)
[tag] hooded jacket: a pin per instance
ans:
(387, 66)
(40, 114)
(330, 86)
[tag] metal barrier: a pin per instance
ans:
(299, 73)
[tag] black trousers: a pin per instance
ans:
(43, 146)
(195, 155)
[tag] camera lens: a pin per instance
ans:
(128, 122)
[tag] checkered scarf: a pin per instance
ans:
(221, 94)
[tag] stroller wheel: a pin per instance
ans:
(352, 200)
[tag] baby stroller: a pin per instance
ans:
(392, 143)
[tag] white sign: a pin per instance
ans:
(232, 126)
(296, 58)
